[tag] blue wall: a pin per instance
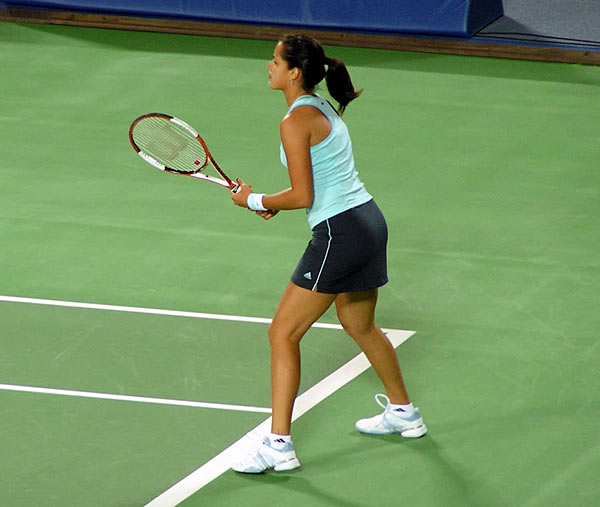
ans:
(460, 18)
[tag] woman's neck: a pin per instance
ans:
(291, 95)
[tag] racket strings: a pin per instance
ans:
(172, 145)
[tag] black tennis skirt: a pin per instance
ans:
(347, 253)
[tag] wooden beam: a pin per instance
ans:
(335, 38)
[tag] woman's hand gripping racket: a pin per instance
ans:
(171, 145)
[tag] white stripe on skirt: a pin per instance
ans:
(314, 288)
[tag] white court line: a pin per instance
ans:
(140, 399)
(222, 462)
(152, 311)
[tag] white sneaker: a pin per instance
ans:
(266, 458)
(392, 421)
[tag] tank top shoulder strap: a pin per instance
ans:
(316, 101)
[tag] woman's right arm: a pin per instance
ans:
(295, 137)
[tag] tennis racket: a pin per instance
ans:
(171, 145)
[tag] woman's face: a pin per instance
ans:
(279, 73)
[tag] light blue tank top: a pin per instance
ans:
(337, 186)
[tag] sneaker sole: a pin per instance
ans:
(287, 465)
(417, 432)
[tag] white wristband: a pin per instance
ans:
(255, 202)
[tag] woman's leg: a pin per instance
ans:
(356, 312)
(298, 309)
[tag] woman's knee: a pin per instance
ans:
(283, 335)
(356, 328)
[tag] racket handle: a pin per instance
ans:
(237, 186)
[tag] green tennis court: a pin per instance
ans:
(488, 172)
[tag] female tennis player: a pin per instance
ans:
(345, 261)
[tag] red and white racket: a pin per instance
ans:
(171, 145)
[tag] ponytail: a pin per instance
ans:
(339, 84)
(307, 54)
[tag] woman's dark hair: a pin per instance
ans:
(307, 55)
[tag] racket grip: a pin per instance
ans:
(237, 186)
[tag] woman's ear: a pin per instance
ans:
(294, 74)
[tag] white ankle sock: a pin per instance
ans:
(407, 409)
(278, 441)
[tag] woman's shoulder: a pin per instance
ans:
(297, 121)
(301, 115)
(307, 119)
